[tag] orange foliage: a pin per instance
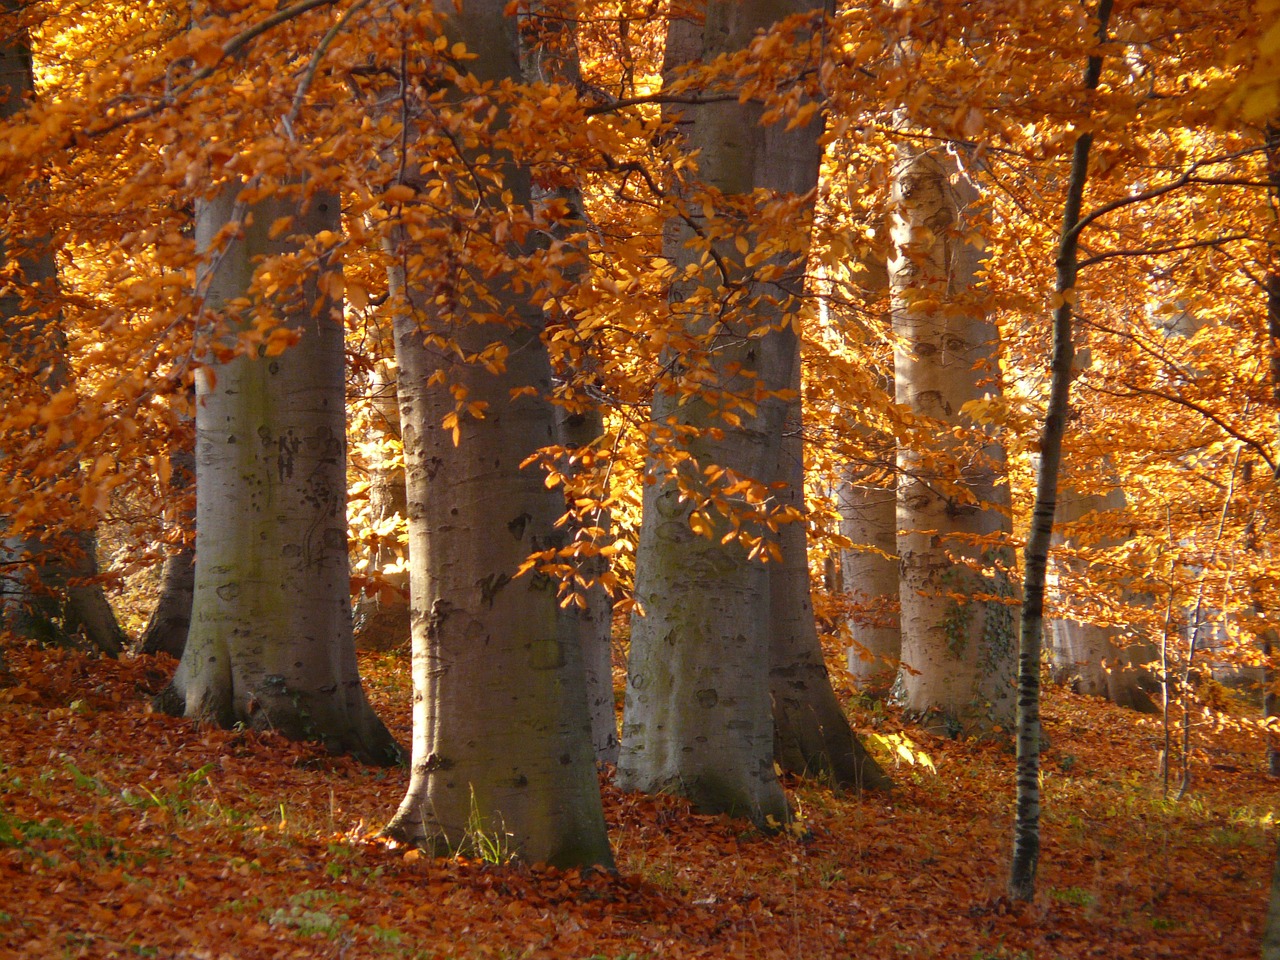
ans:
(136, 115)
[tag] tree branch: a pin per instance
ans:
(1156, 251)
(309, 74)
(1257, 446)
(1187, 178)
(229, 49)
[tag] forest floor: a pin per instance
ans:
(128, 834)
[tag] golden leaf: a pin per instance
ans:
(398, 193)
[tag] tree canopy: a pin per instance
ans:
(1015, 263)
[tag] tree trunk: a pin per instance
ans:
(812, 736)
(579, 420)
(697, 719)
(270, 644)
(502, 763)
(1026, 827)
(170, 622)
(1091, 658)
(594, 618)
(382, 610)
(47, 588)
(1271, 933)
(867, 501)
(48, 592)
(869, 574)
(957, 626)
(1271, 637)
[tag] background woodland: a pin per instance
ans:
(715, 400)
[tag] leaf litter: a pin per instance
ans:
(125, 833)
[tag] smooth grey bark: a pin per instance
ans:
(957, 625)
(1271, 932)
(270, 644)
(1026, 827)
(167, 628)
(48, 593)
(697, 718)
(47, 588)
(869, 579)
(501, 746)
(812, 736)
(575, 430)
(170, 621)
(867, 502)
(579, 418)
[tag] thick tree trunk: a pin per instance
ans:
(697, 716)
(1090, 659)
(166, 630)
(812, 736)
(958, 639)
(869, 575)
(594, 618)
(1271, 933)
(867, 501)
(270, 644)
(48, 592)
(47, 588)
(502, 760)
(697, 719)
(553, 59)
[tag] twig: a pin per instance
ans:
(1156, 251)
(1164, 656)
(229, 49)
(1195, 631)
(309, 75)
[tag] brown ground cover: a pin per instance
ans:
(128, 834)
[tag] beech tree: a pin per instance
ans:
(1092, 658)
(475, 386)
(1271, 932)
(382, 608)
(696, 719)
(550, 55)
(170, 621)
(498, 213)
(270, 643)
(869, 579)
(48, 589)
(811, 733)
(577, 432)
(865, 494)
(957, 628)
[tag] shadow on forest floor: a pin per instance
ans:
(126, 833)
